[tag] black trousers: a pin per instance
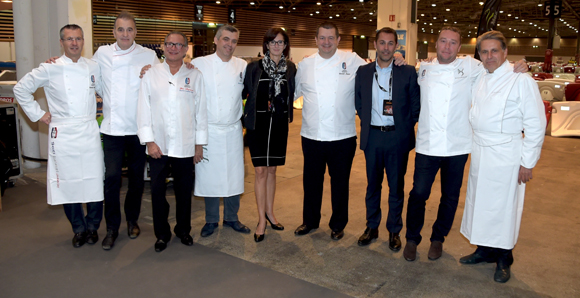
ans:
(81, 223)
(426, 168)
(383, 153)
(338, 155)
(182, 172)
(114, 150)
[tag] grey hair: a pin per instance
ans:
(229, 28)
(178, 33)
(496, 35)
(70, 27)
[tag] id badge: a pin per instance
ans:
(387, 107)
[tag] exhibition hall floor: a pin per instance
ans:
(38, 260)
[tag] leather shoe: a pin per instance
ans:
(208, 229)
(79, 239)
(478, 256)
(394, 242)
(160, 245)
(237, 226)
(277, 226)
(186, 239)
(368, 236)
(410, 251)
(109, 240)
(502, 272)
(303, 230)
(337, 235)
(435, 251)
(92, 237)
(133, 229)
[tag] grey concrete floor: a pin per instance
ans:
(546, 263)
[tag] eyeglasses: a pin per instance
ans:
(277, 42)
(173, 44)
(70, 39)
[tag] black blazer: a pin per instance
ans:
(406, 103)
(253, 74)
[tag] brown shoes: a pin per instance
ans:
(410, 251)
(435, 250)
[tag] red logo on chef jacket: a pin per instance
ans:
(343, 65)
(186, 81)
(93, 78)
(53, 133)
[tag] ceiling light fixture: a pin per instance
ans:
(447, 9)
(281, 7)
(252, 3)
(217, 2)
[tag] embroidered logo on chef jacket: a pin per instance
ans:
(241, 81)
(92, 81)
(187, 83)
(53, 133)
(423, 74)
(344, 70)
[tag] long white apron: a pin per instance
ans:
(75, 161)
(221, 172)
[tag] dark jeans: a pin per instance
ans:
(182, 172)
(212, 208)
(81, 223)
(383, 153)
(426, 168)
(338, 155)
(114, 149)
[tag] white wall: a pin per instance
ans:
(7, 51)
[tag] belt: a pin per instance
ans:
(383, 128)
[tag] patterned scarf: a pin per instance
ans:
(276, 73)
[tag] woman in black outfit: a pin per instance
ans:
(269, 85)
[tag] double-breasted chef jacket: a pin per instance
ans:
(75, 157)
(172, 110)
(221, 172)
(504, 105)
(121, 82)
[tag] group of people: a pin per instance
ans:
(190, 116)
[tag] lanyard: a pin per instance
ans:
(390, 85)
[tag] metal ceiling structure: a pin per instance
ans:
(519, 18)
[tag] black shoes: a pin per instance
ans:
(394, 242)
(133, 229)
(160, 245)
(277, 226)
(502, 271)
(109, 240)
(92, 237)
(337, 235)
(237, 226)
(368, 236)
(185, 239)
(79, 239)
(480, 255)
(435, 250)
(410, 251)
(208, 229)
(303, 230)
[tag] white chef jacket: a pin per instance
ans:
(444, 128)
(224, 82)
(383, 77)
(221, 172)
(504, 104)
(172, 110)
(327, 85)
(75, 161)
(121, 70)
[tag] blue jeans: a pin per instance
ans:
(81, 223)
(231, 207)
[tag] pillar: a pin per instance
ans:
(403, 17)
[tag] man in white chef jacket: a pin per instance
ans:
(221, 173)
(75, 157)
(443, 138)
(326, 80)
(502, 158)
(172, 122)
(121, 64)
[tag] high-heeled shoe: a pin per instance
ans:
(257, 237)
(277, 226)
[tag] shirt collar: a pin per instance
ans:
(68, 60)
(118, 50)
(386, 69)
(166, 66)
(503, 68)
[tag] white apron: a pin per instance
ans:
(221, 172)
(75, 161)
(494, 200)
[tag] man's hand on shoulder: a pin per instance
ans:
(189, 65)
(399, 59)
(51, 60)
(144, 70)
(521, 66)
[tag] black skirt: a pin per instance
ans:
(267, 142)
